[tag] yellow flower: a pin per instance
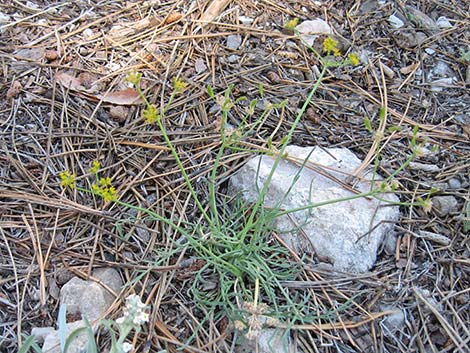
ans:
(290, 25)
(178, 85)
(105, 189)
(150, 114)
(95, 167)
(353, 59)
(67, 180)
(109, 194)
(134, 78)
(105, 182)
(331, 46)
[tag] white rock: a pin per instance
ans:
(420, 19)
(52, 340)
(437, 85)
(432, 168)
(88, 33)
(4, 18)
(430, 51)
(443, 22)
(310, 30)
(40, 333)
(32, 5)
(390, 243)
(394, 321)
(112, 66)
(245, 20)
(338, 231)
(442, 69)
(268, 341)
(233, 58)
(88, 298)
(396, 22)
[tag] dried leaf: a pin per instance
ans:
(410, 68)
(69, 81)
(213, 10)
(14, 89)
(173, 17)
(51, 55)
(129, 96)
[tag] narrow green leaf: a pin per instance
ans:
(29, 343)
(368, 124)
(210, 92)
(62, 321)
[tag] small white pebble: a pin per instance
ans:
(443, 22)
(113, 66)
(32, 5)
(87, 33)
(396, 22)
(4, 18)
(245, 20)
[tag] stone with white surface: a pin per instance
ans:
(78, 345)
(347, 233)
(310, 30)
(268, 341)
(89, 298)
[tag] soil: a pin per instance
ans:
(65, 102)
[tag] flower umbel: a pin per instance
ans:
(134, 78)
(127, 347)
(105, 189)
(178, 85)
(331, 46)
(134, 316)
(353, 59)
(150, 114)
(290, 25)
(67, 180)
(95, 167)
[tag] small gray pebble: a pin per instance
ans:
(233, 58)
(445, 204)
(234, 41)
(454, 183)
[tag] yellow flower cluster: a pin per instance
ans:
(105, 189)
(95, 167)
(178, 85)
(134, 78)
(67, 180)
(330, 46)
(353, 59)
(290, 25)
(150, 114)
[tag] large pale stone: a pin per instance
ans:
(268, 341)
(89, 298)
(348, 233)
(78, 345)
(82, 298)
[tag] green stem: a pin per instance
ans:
(141, 209)
(250, 221)
(175, 153)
